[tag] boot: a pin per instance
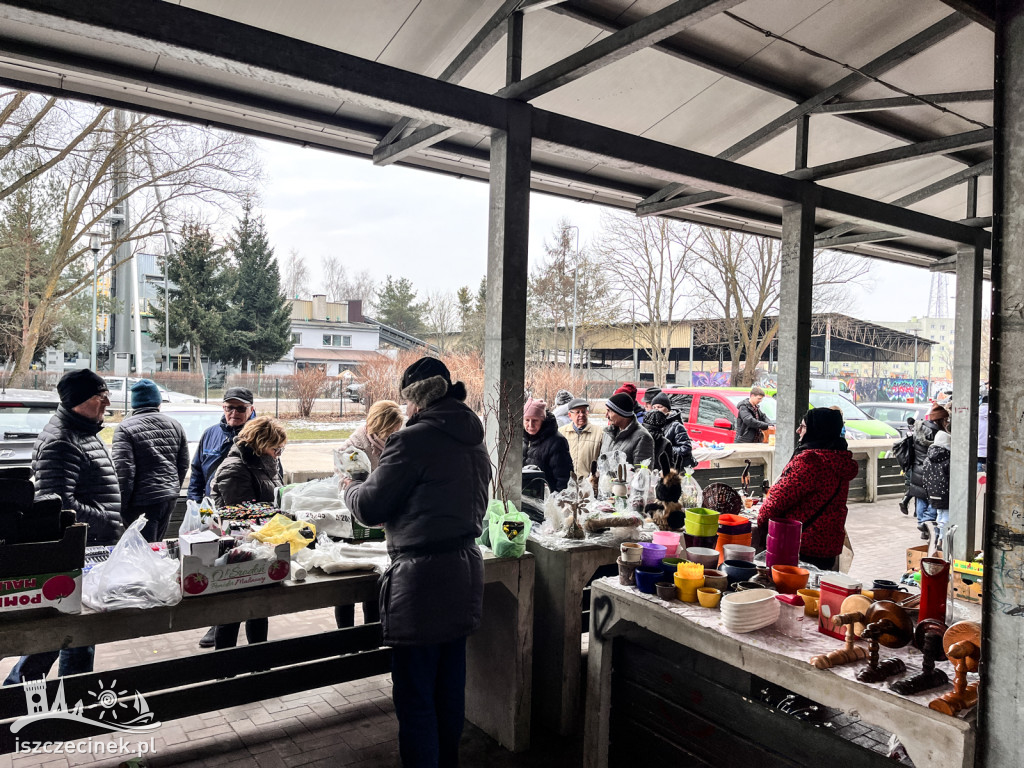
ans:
(209, 639)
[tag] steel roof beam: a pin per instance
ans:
(979, 11)
(877, 105)
(877, 237)
(644, 33)
(881, 64)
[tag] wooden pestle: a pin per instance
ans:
(848, 653)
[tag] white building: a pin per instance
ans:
(329, 334)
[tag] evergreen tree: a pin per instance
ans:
(196, 303)
(258, 322)
(396, 306)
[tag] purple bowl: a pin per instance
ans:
(652, 556)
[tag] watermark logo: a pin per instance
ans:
(114, 710)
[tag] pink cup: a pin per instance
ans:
(774, 545)
(669, 540)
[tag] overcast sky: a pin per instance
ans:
(432, 228)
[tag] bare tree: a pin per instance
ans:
(441, 318)
(343, 286)
(645, 266)
(309, 383)
(295, 276)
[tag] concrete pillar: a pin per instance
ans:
(1001, 739)
(794, 328)
(505, 327)
(963, 475)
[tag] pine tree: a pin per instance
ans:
(396, 306)
(259, 316)
(196, 305)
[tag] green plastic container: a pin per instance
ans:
(701, 522)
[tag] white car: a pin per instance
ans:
(119, 395)
(195, 418)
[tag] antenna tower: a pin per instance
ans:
(938, 295)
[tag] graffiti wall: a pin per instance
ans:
(711, 379)
(883, 390)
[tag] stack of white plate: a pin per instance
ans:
(749, 610)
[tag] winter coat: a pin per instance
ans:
(361, 439)
(430, 492)
(584, 447)
(562, 414)
(633, 440)
(213, 448)
(750, 422)
(548, 451)
(813, 478)
(245, 476)
(682, 447)
(150, 457)
(69, 460)
(924, 436)
(936, 471)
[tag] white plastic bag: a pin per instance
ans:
(691, 495)
(320, 503)
(134, 576)
(191, 522)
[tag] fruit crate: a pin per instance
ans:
(362, 533)
(198, 579)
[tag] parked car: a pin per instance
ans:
(355, 392)
(195, 418)
(709, 413)
(896, 414)
(118, 396)
(859, 425)
(23, 414)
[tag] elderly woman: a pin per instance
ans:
(382, 420)
(250, 472)
(813, 488)
(543, 447)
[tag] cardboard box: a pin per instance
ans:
(198, 579)
(204, 545)
(44, 574)
(967, 586)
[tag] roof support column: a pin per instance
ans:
(963, 475)
(505, 328)
(1001, 740)
(794, 327)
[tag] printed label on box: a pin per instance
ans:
(62, 591)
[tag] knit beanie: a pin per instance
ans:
(75, 387)
(823, 426)
(629, 389)
(661, 399)
(621, 403)
(562, 397)
(535, 409)
(146, 394)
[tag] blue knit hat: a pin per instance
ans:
(146, 394)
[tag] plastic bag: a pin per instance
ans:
(352, 463)
(692, 496)
(280, 529)
(640, 490)
(134, 576)
(509, 529)
(339, 556)
(319, 502)
(192, 521)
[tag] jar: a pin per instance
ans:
(791, 614)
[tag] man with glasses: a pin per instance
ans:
(213, 448)
(70, 461)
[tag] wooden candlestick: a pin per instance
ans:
(849, 652)
(927, 639)
(888, 625)
(962, 644)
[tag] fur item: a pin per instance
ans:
(423, 393)
(667, 513)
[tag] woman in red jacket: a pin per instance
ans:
(813, 488)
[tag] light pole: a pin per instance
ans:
(575, 274)
(94, 246)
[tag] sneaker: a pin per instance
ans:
(924, 536)
(209, 639)
(923, 529)
(903, 508)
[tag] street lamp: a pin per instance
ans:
(94, 246)
(575, 274)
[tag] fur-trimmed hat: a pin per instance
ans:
(428, 380)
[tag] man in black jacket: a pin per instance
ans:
(151, 459)
(430, 492)
(69, 460)
(675, 433)
(751, 421)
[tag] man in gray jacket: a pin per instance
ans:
(624, 433)
(151, 459)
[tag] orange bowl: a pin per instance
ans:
(789, 578)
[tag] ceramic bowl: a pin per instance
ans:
(700, 541)
(704, 555)
(811, 598)
(668, 539)
(743, 586)
(716, 579)
(772, 559)
(646, 578)
(744, 627)
(738, 552)
(789, 578)
(709, 597)
(666, 590)
(739, 570)
(750, 597)
(669, 565)
(631, 551)
(653, 554)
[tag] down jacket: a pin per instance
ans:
(430, 493)
(70, 461)
(936, 471)
(813, 478)
(213, 448)
(549, 451)
(633, 440)
(924, 436)
(150, 456)
(245, 476)
(679, 438)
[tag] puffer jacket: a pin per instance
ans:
(69, 460)
(548, 451)
(813, 478)
(430, 493)
(924, 436)
(150, 456)
(750, 422)
(245, 476)
(213, 448)
(584, 446)
(682, 447)
(936, 476)
(633, 440)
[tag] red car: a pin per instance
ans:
(709, 413)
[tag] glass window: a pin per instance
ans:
(712, 408)
(682, 404)
(296, 339)
(346, 341)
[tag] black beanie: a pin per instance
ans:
(75, 387)
(661, 399)
(824, 426)
(621, 403)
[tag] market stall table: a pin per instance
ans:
(647, 651)
(497, 694)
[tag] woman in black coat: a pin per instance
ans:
(544, 447)
(250, 472)
(924, 436)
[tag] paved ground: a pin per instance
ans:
(353, 724)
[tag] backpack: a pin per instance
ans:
(903, 452)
